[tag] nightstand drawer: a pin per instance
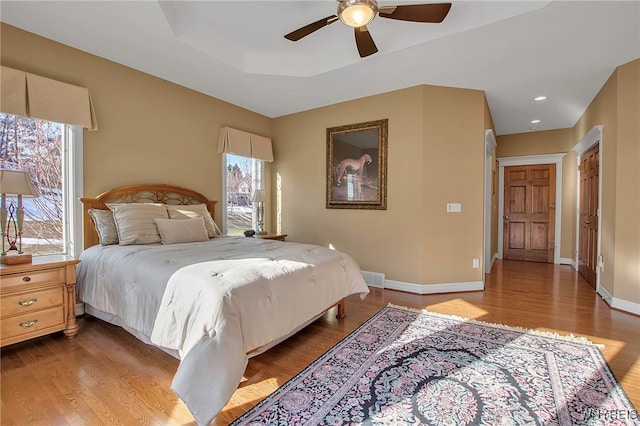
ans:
(36, 300)
(43, 276)
(32, 323)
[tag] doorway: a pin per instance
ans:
(529, 213)
(532, 160)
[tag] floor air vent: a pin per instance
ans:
(374, 279)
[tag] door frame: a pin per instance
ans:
(591, 139)
(490, 144)
(530, 160)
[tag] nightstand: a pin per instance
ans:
(38, 298)
(269, 236)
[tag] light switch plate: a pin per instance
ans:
(454, 207)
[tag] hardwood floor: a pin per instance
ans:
(106, 376)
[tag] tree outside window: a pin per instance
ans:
(36, 146)
(243, 176)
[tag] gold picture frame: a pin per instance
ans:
(357, 166)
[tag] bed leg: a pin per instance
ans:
(342, 311)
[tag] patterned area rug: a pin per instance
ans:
(406, 367)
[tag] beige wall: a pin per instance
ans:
(154, 131)
(150, 130)
(453, 170)
(551, 142)
(617, 108)
(435, 155)
(627, 245)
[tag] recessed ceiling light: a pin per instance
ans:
(535, 121)
(540, 98)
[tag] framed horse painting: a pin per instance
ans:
(357, 166)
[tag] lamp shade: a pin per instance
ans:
(259, 196)
(14, 182)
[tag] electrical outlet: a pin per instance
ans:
(476, 263)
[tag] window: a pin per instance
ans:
(52, 155)
(241, 177)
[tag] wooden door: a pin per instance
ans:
(588, 237)
(529, 213)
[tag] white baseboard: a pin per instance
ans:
(377, 280)
(79, 309)
(606, 296)
(620, 304)
(434, 288)
(625, 305)
(568, 261)
(493, 260)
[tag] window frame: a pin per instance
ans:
(72, 187)
(257, 182)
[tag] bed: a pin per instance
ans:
(168, 277)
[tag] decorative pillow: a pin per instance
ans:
(182, 231)
(192, 211)
(105, 226)
(136, 222)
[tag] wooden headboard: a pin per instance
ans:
(143, 193)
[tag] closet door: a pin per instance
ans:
(588, 237)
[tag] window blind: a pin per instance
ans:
(34, 96)
(239, 142)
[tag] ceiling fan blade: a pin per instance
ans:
(433, 13)
(308, 29)
(364, 41)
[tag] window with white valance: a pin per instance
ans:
(245, 144)
(30, 95)
(243, 173)
(38, 114)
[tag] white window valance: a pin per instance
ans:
(239, 142)
(31, 95)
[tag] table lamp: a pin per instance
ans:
(14, 182)
(259, 198)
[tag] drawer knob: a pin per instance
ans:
(26, 279)
(29, 324)
(27, 302)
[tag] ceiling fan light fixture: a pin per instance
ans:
(357, 13)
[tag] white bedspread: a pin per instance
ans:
(216, 301)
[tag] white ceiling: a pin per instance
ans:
(235, 51)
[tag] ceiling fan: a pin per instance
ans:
(358, 13)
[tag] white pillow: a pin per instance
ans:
(192, 211)
(182, 231)
(136, 222)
